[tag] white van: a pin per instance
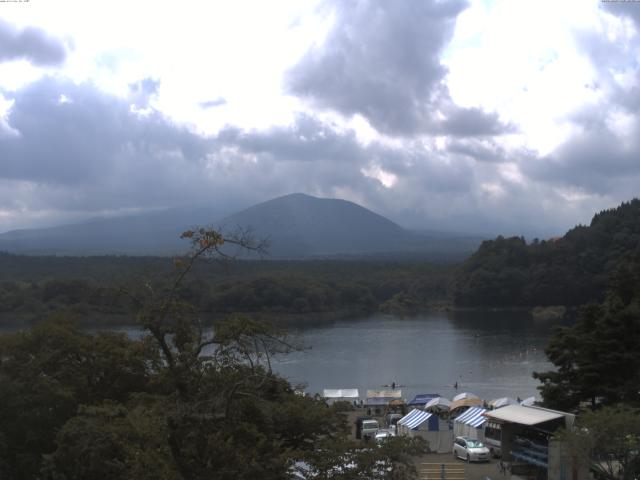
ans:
(370, 428)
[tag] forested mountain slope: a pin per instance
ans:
(571, 270)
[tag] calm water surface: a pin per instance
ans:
(491, 354)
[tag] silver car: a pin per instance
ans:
(383, 434)
(470, 449)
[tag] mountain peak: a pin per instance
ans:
(294, 196)
(297, 225)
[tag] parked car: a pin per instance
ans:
(383, 434)
(366, 427)
(392, 421)
(470, 449)
(370, 428)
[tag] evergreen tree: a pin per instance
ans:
(597, 360)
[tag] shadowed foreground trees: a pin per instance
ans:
(46, 373)
(182, 402)
(597, 360)
(608, 440)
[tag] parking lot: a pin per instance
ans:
(430, 467)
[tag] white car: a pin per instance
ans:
(470, 449)
(383, 435)
(370, 428)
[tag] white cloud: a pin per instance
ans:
(520, 59)
(497, 111)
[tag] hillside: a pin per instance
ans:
(155, 233)
(296, 226)
(571, 270)
(301, 225)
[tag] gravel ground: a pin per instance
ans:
(430, 465)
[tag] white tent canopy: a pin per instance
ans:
(350, 393)
(503, 402)
(438, 403)
(414, 419)
(473, 417)
(525, 415)
(530, 415)
(418, 423)
(464, 395)
(470, 423)
(528, 402)
(384, 393)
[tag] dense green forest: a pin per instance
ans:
(597, 360)
(571, 270)
(505, 272)
(182, 402)
(32, 288)
(596, 375)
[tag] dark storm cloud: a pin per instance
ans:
(317, 157)
(630, 10)
(72, 147)
(597, 160)
(381, 60)
(307, 139)
(31, 44)
(611, 58)
(74, 137)
(602, 156)
(479, 150)
(75, 151)
(473, 122)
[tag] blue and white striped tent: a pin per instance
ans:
(470, 423)
(414, 419)
(418, 423)
(473, 417)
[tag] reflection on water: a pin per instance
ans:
(491, 354)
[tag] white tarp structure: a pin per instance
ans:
(340, 395)
(463, 396)
(459, 406)
(528, 402)
(470, 423)
(418, 423)
(530, 415)
(381, 398)
(502, 402)
(438, 404)
(384, 393)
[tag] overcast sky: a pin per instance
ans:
(494, 116)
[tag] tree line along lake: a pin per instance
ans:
(490, 353)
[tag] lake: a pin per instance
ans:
(491, 354)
